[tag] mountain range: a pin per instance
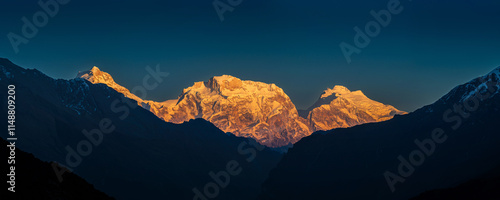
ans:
(258, 110)
(127, 148)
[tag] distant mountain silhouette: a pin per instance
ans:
(351, 163)
(35, 179)
(144, 157)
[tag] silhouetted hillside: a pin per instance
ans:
(35, 179)
(353, 163)
(485, 188)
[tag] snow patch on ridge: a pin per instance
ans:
(488, 81)
(338, 89)
(7, 73)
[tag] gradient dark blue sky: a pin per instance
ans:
(425, 51)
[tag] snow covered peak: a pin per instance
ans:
(224, 82)
(338, 89)
(224, 78)
(340, 108)
(95, 69)
(487, 83)
(95, 75)
(244, 108)
(230, 86)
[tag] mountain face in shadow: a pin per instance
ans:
(442, 145)
(35, 179)
(125, 150)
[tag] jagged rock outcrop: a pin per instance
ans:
(245, 108)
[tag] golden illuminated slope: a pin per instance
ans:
(341, 108)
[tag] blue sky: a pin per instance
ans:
(426, 50)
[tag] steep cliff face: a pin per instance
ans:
(258, 110)
(341, 108)
(245, 108)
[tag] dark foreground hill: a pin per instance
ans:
(486, 187)
(442, 145)
(35, 179)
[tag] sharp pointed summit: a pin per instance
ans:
(338, 89)
(95, 76)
